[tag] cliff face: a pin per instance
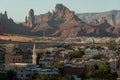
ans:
(112, 18)
(71, 25)
(103, 28)
(65, 23)
(3, 20)
(30, 20)
(1, 29)
(61, 22)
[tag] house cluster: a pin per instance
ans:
(91, 52)
(98, 40)
(43, 61)
(26, 71)
(85, 39)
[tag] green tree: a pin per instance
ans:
(112, 45)
(11, 75)
(96, 56)
(89, 73)
(3, 76)
(72, 78)
(50, 77)
(77, 54)
(104, 72)
(59, 65)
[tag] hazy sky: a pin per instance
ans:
(18, 9)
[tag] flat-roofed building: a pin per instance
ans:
(13, 58)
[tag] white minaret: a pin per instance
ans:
(34, 56)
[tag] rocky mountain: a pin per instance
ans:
(102, 27)
(112, 17)
(63, 22)
(30, 21)
(7, 25)
(2, 18)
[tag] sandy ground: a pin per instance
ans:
(16, 38)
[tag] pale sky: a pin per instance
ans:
(18, 9)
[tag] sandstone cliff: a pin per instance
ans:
(61, 22)
(30, 20)
(64, 23)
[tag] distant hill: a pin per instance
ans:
(113, 17)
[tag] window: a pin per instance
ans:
(21, 75)
(27, 75)
(21, 70)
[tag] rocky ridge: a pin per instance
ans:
(7, 25)
(62, 22)
(112, 17)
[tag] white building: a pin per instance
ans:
(34, 56)
(24, 73)
(28, 72)
(90, 52)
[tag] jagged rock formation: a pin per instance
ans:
(1, 29)
(7, 25)
(65, 23)
(112, 17)
(61, 22)
(30, 21)
(103, 28)
(3, 19)
(5, 16)
(70, 24)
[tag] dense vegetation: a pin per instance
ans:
(77, 54)
(50, 77)
(9, 75)
(112, 45)
(103, 72)
(59, 65)
(98, 56)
